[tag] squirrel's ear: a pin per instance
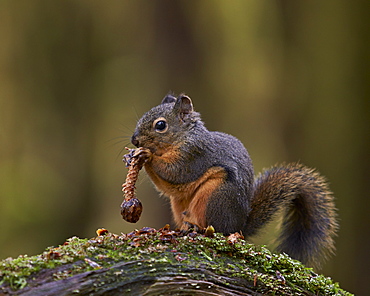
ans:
(168, 99)
(183, 105)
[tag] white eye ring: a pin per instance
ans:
(160, 125)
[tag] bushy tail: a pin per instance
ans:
(309, 223)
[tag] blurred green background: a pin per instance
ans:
(290, 79)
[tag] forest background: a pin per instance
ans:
(290, 79)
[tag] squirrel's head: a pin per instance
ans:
(168, 124)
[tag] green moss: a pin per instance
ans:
(254, 263)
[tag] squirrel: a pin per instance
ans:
(209, 178)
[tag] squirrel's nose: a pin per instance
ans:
(134, 140)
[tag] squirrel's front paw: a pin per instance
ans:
(141, 154)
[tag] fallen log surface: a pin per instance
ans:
(160, 262)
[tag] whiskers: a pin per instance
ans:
(123, 141)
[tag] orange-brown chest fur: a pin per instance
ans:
(188, 200)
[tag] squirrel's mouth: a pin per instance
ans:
(137, 143)
(155, 147)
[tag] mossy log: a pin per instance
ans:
(160, 262)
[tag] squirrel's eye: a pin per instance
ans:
(160, 125)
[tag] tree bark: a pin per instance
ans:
(147, 279)
(160, 262)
